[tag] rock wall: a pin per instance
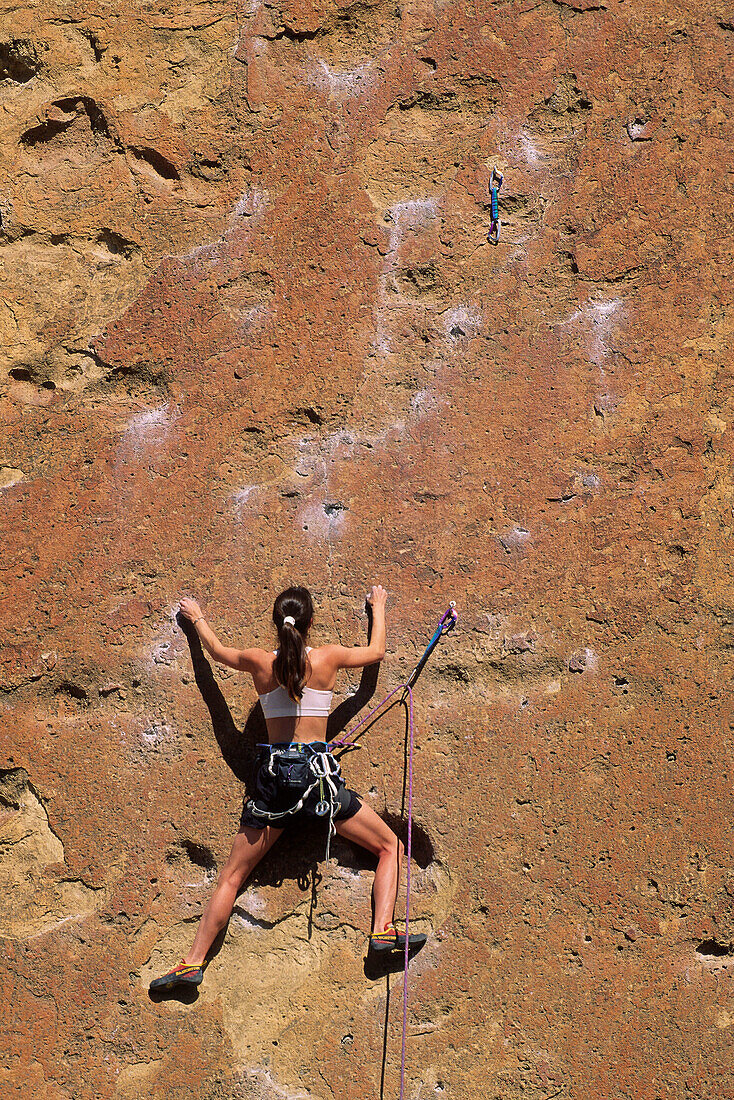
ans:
(253, 333)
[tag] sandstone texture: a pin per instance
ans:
(252, 333)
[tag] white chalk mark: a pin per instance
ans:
(252, 203)
(410, 216)
(148, 426)
(424, 404)
(515, 538)
(207, 878)
(530, 151)
(162, 654)
(246, 213)
(242, 919)
(247, 317)
(584, 660)
(347, 874)
(266, 1081)
(323, 520)
(597, 321)
(603, 309)
(462, 322)
(167, 646)
(420, 402)
(156, 734)
(64, 920)
(146, 432)
(605, 403)
(342, 83)
(255, 902)
(241, 496)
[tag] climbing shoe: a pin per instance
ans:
(384, 941)
(416, 940)
(183, 974)
(392, 940)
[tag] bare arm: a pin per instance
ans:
(360, 655)
(244, 660)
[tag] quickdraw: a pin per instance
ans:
(446, 624)
(495, 226)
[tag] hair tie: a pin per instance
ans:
(289, 619)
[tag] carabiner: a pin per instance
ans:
(450, 618)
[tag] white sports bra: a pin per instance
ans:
(315, 702)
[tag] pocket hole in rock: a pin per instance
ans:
(18, 61)
(713, 949)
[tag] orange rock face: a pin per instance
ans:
(253, 334)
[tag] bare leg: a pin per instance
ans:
(371, 832)
(248, 848)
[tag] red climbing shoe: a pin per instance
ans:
(183, 974)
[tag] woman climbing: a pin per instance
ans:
(297, 775)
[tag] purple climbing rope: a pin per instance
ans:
(407, 692)
(349, 738)
(446, 623)
(404, 1041)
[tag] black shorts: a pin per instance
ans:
(269, 794)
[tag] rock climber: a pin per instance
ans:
(297, 775)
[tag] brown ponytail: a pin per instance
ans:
(291, 665)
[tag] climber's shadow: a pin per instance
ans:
(238, 748)
(240, 751)
(185, 995)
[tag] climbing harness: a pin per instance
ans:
(494, 230)
(299, 766)
(446, 624)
